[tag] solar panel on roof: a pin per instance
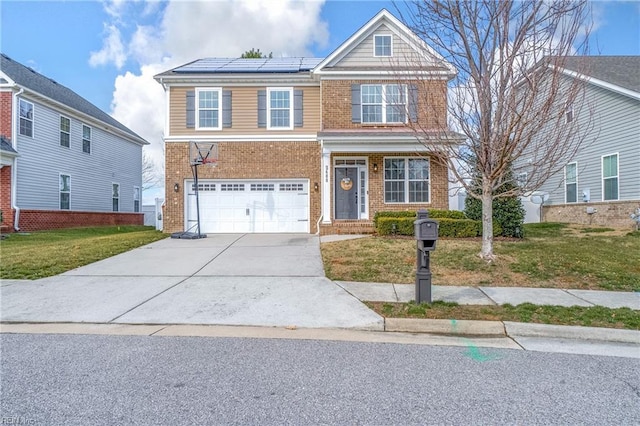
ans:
(254, 65)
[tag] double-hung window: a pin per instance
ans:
(280, 108)
(209, 109)
(65, 192)
(26, 118)
(406, 180)
(65, 131)
(382, 45)
(115, 196)
(136, 199)
(86, 139)
(568, 113)
(610, 177)
(384, 103)
(571, 183)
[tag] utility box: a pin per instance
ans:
(426, 234)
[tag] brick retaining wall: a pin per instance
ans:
(616, 214)
(38, 220)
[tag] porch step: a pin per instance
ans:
(347, 227)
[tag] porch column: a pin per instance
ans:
(326, 185)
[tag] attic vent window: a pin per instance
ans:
(382, 45)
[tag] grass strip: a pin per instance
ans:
(595, 316)
(47, 253)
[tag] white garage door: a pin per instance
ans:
(249, 206)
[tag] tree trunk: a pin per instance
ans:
(487, 222)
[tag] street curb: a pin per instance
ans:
(572, 332)
(509, 329)
(446, 327)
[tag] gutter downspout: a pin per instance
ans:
(14, 169)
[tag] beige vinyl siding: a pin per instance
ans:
(244, 112)
(362, 55)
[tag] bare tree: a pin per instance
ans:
(152, 176)
(509, 91)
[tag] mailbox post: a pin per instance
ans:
(426, 233)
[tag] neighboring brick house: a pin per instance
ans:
(308, 143)
(65, 163)
(601, 183)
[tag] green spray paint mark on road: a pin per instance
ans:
(473, 351)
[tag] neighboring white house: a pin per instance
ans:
(66, 162)
(601, 184)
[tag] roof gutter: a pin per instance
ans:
(14, 169)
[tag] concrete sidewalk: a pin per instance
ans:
(381, 292)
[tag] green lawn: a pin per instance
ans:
(46, 253)
(551, 255)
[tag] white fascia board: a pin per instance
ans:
(396, 75)
(379, 146)
(9, 84)
(601, 83)
(59, 106)
(300, 137)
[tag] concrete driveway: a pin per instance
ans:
(231, 279)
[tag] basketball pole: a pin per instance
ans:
(195, 167)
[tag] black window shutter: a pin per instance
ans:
(191, 109)
(226, 108)
(413, 103)
(356, 111)
(262, 108)
(297, 108)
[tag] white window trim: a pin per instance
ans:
(291, 107)
(60, 191)
(61, 131)
(406, 181)
(33, 118)
(118, 197)
(565, 182)
(403, 87)
(569, 115)
(90, 139)
(617, 176)
(390, 45)
(136, 192)
(208, 89)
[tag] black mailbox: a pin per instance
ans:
(426, 232)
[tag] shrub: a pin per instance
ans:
(433, 214)
(447, 228)
(508, 215)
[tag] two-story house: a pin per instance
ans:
(308, 144)
(65, 162)
(601, 183)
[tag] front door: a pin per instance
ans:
(346, 191)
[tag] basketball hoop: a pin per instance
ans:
(203, 153)
(200, 154)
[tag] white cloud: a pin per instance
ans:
(112, 49)
(191, 30)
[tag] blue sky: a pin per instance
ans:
(108, 51)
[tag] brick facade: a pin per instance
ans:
(242, 160)
(5, 114)
(617, 213)
(5, 199)
(38, 220)
(336, 103)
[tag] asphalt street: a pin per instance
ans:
(106, 380)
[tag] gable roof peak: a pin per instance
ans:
(399, 28)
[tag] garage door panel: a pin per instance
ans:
(250, 206)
